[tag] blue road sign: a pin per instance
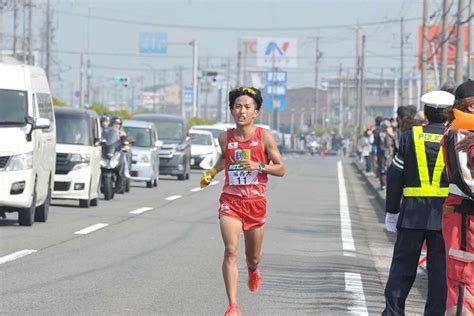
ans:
(278, 103)
(188, 95)
(276, 77)
(153, 43)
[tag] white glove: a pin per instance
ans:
(391, 222)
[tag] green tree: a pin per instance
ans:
(57, 102)
(198, 121)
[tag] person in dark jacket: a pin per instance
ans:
(416, 188)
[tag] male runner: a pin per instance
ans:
(249, 154)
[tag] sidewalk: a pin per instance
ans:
(373, 182)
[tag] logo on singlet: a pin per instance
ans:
(242, 154)
(232, 145)
(254, 143)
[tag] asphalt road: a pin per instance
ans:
(325, 251)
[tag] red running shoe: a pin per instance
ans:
(254, 279)
(233, 310)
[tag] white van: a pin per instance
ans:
(78, 153)
(27, 143)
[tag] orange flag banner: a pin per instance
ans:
(463, 120)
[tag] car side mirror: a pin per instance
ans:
(158, 143)
(42, 123)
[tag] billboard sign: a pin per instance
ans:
(277, 52)
(434, 36)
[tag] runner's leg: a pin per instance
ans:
(230, 230)
(253, 246)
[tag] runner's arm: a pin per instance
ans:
(220, 163)
(271, 148)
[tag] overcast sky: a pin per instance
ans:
(114, 27)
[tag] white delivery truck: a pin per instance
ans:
(27, 143)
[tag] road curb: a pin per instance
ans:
(372, 183)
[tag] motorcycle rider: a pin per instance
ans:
(105, 121)
(117, 124)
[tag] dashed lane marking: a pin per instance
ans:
(196, 190)
(141, 210)
(16, 255)
(353, 283)
(214, 182)
(173, 197)
(90, 229)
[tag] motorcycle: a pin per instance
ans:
(313, 147)
(111, 163)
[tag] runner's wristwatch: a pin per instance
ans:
(261, 167)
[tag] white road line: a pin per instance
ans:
(16, 255)
(354, 285)
(173, 197)
(141, 210)
(196, 190)
(90, 229)
(214, 182)
(346, 229)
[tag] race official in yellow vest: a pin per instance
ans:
(417, 185)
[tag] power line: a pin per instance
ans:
(232, 28)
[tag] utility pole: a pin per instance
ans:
(443, 74)
(316, 82)
(239, 69)
(1, 28)
(48, 40)
(181, 90)
(88, 80)
(195, 77)
(15, 26)
(81, 83)
(357, 74)
(30, 33)
(227, 92)
(459, 69)
(361, 87)
(423, 46)
(402, 46)
(341, 105)
(23, 38)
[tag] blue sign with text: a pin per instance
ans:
(153, 43)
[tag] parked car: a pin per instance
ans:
(78, 153)
(216, 130)
(203, 149)
(27, 143)
(146, 146)
(175, 153)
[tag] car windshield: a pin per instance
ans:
(13, 106)
(201, 139)
(215, 132)
(72, 129)
(141, 135)
(170, 130)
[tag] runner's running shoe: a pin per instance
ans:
(232, 310)
(254, 279)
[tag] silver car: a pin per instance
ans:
(145, 149)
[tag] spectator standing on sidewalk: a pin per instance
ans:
(416, 188)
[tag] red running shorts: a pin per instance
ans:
(251, 212)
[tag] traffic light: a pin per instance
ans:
(209, 73)
(121, 80)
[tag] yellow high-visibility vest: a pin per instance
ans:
(427, 189)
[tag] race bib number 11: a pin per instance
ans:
(238, 176)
